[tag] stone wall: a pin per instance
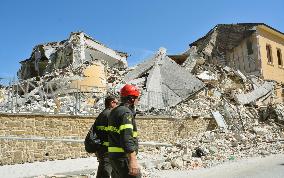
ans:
(14, 129)
(164, 129)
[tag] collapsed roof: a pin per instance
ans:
(78, 49)
(167, 83)
(224, 37)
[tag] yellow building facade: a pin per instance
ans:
(271, 50)
(261, 54)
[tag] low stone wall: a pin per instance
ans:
(164, 129)
(44, 127)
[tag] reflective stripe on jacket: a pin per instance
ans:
(101, 128)
(122, 132)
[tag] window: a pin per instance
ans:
(279, 57)
(249, 47)
(269, 54)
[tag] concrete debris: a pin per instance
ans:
(167, 89)
(219, 120)
(206, 75)
(216, 41)
(63, 91)
(73, 77)
(272, 112)
(140, 69)
(240, 74)
(67, 77)
(263, 91)
(280, 112)
(223, 147)
(178, 163)
(78, 49)
(167, 83)
(259, 130)
(192, 58)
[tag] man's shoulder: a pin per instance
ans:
(106, 111)
(122, 109)
(104, 114)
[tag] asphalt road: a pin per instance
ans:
(267, 167)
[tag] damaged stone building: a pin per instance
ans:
(209, 104)
(78, 49)
(252, 48)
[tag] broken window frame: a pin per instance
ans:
(249, 47)
(279, 57)
(269, 54)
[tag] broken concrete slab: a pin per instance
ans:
(240, 74)
(167, 82)
(140, 69)
(260, 131)
(206, 75)
(262, 91)
(154, 88)
(230, 111)
(183, 83)
(190, 61)
(219, 120)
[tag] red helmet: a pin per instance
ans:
(129, 90)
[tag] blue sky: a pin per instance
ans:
(136, 27)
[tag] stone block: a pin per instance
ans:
(18, 157)
(29, 123)
(13, 124)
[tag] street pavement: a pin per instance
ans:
(267, 167)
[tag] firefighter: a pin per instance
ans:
(123, 143)
(101, 125)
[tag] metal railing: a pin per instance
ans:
(52, 97)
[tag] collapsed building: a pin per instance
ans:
(78, 49)
(252, 48)
(222, 76)
(65, 77)
(167, 82)
(74, 75)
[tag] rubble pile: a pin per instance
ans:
(165, 82)
(195, 89)
(273, 113)
(222, 89)
(78, 49)
(53, 92)
(237, 102)
(68, 77)
(249, 123)
(215, 147)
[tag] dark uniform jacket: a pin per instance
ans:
(122, 132)
(101, 129)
